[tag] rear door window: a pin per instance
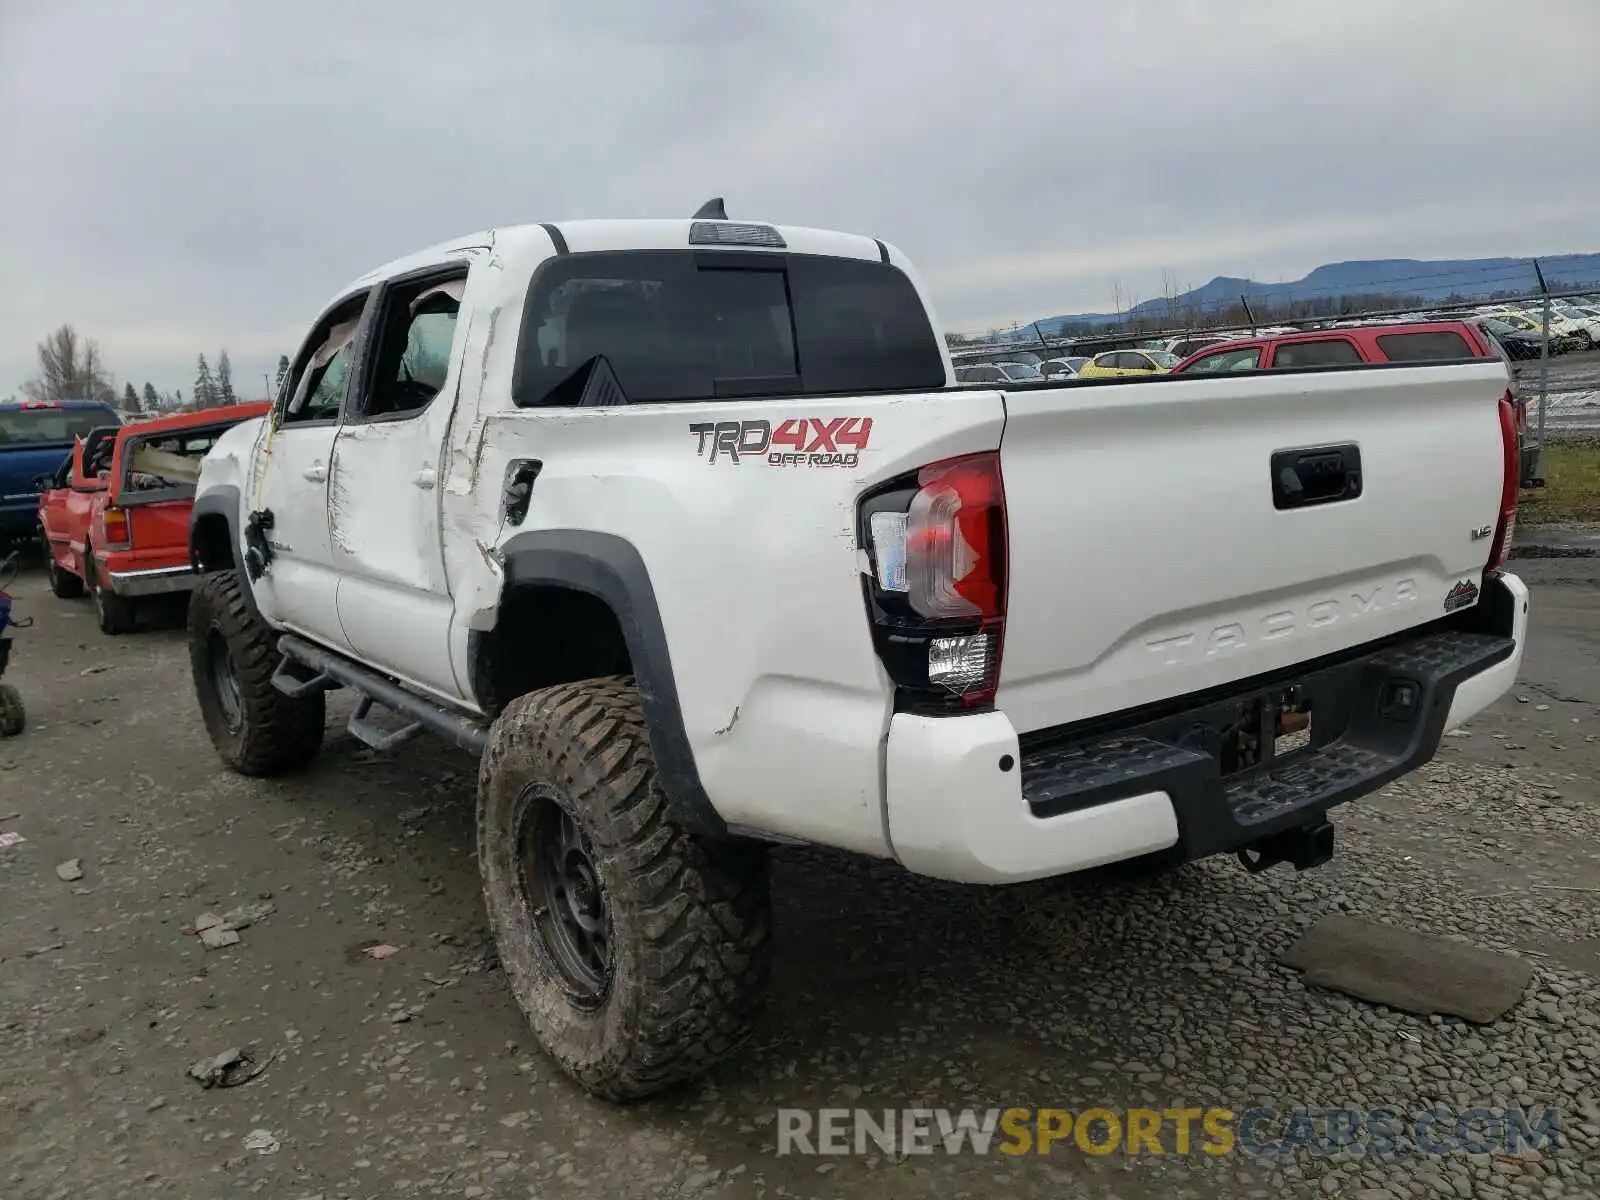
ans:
(694, 325)
(1426, 346)
(1324, 352)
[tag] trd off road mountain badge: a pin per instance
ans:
(798, 442)
(1463, 594)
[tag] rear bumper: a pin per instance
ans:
(967, 800)
(154, 581)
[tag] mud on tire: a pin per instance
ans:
(574, 835)
(256, 729)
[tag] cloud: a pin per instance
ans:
(207, 177)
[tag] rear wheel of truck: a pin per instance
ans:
(64, 585)
(639, 952)
(115, 614)
(256, 729)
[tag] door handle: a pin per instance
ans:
(1319, 475)
(316, 473)
(425, 478)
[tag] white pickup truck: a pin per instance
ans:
(683, 527)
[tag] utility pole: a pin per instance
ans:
(1544, 371)
(1250, 313)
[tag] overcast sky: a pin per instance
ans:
(184, 175)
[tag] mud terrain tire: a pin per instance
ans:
(638, 952)
(256, 729)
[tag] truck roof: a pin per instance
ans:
(21, 405)
(535, 241)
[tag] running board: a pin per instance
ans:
(321, 670)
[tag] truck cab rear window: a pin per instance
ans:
(691, 325)
(47, 426)
(1424, 347)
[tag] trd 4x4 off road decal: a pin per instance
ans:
(798, 442)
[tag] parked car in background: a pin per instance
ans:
(1564, 336)
(1426, 341)
(1585, 322)
(1127, 362)
(115, 519)
(1182, 347)
(1518, 343)
(35, 439)
(999, 372)
(1062, 368)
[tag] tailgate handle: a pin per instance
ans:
(1316, 475)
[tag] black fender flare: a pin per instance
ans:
(611, 569)
(223, 501)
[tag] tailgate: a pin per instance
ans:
(161, 525)
(1150, 557)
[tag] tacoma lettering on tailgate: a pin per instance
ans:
(1198, 645)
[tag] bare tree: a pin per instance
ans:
(70, 368)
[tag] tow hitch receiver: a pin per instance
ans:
(1306, 846)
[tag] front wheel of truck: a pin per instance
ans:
(639, 952)
(233, 653)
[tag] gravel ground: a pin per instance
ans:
(413, 1075)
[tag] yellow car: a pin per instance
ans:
(1128, 362)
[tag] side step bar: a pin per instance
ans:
(324, 671)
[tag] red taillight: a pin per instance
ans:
(119, 532)
(955, 539)
(1511, 443)
(937, 544)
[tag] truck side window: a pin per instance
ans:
(1432, 345)
(412, 341)
(1324, 352)
(1227, 360)
(314, 389)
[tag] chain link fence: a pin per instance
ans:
(1543, 316)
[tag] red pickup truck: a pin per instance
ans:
(115, 518)
(1400, 342)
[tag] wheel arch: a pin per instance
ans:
(214, 537)
(600, 577)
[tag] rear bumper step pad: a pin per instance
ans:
(1373, 718)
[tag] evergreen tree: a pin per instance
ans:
(177, 399)
(283, 369)
(152, 402)
(224, 394)
(205, 387)
(130, 400)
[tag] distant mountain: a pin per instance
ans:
(1431, 280)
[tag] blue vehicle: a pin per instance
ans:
(35, 440)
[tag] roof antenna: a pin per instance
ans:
(711, 210)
